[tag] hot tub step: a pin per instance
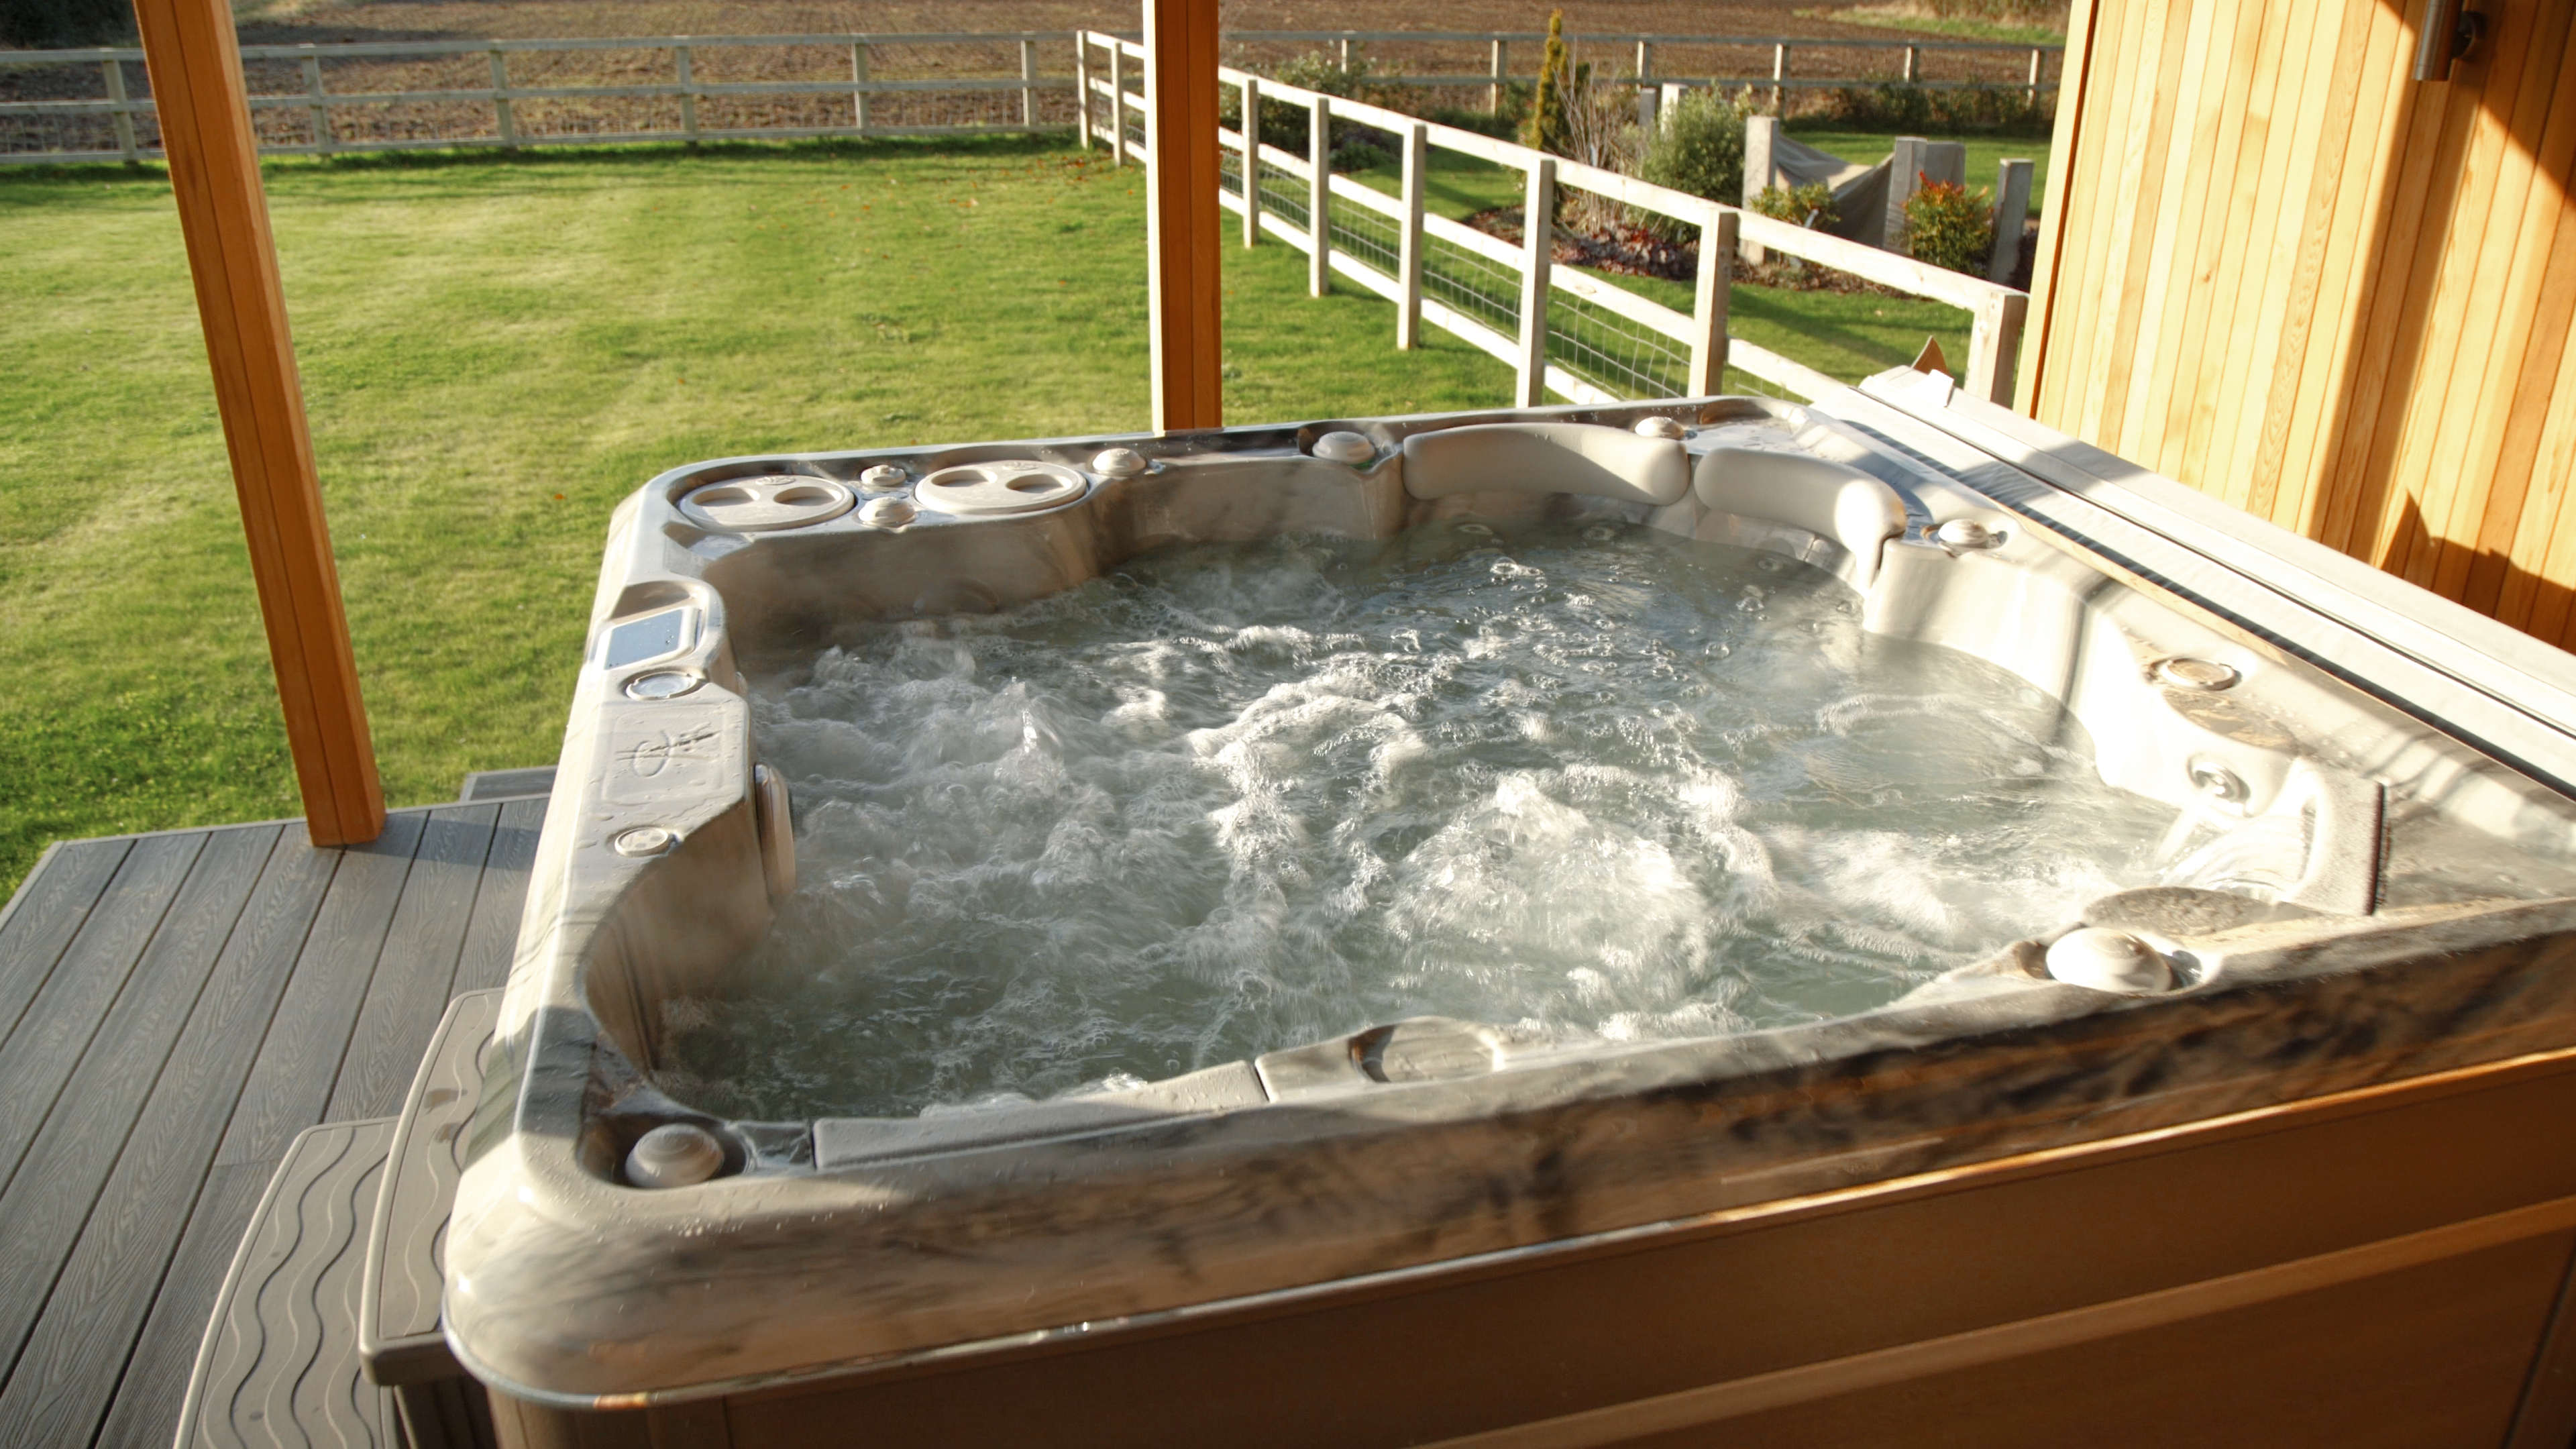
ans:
(399, 1341)
(279, 1364)
(484, 785)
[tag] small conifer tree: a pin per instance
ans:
(1545, 130)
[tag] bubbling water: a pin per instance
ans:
(1597, 781)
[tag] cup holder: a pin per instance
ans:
(766, 504)
(1013, 486)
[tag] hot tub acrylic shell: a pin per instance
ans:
(846, 1252)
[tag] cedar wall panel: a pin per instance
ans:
(2278, 269)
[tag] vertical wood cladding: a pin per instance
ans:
(2281, 270)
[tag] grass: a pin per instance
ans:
(1985, 153)
(495, 351)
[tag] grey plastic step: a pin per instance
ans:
(399, 1342)
(278, 1368)
(485, 785)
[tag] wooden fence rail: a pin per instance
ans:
(1686, 353)
(321, 133)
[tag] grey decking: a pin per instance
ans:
(174, 1008)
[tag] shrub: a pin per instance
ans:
(1950, 226)
(1498, 125)
(1698, 147)
(45, 24)
(1972, 110)
(1284, 124)
(1811, 205)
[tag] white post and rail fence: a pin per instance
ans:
(1566, 332)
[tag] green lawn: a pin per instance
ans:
(495, 351)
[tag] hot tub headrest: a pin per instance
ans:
(1824, 498)
(1546, 458)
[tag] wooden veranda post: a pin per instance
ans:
(1181, 223)
(195, 65)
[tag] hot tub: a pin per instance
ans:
(1434, 1227)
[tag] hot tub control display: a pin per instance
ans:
(651, 637)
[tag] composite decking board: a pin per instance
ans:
(156, 1374)
(49, 909)
(55, 1032)
(417, 971)
(99, 1304)
(493, 938)
(300, 1058)
(49, 1201)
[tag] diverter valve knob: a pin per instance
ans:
(675, 1154)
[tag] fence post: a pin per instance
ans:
(1117, 103)
(114, 71)
(1995, 346)
(1408, 260)
(1494, 92)
(1538, 246)
(2012, 210)
(2032, 95)
(501, 99)
(1673, 91)
(1319, 196)
(1029, 84)
(1761, 140)
(321, 113)
(1904, 177)
(1343, 55)
(1911, 54)
(1709, 302)
(858, 86)
(685, 78)
(1251, 160)
(1082, 88)
(1779, 76)
(1645, 61)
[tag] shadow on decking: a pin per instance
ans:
(174, 1008)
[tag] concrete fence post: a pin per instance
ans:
(1761, 143)
(1916, 163)
(1538, 238)
(1779, 79)
(859, 87)
(2012, 212)
(1494, 91)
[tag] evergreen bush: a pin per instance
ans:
(1698, 146)
(1545, 129)
(1950, 226)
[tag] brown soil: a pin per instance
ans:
(323, 22)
